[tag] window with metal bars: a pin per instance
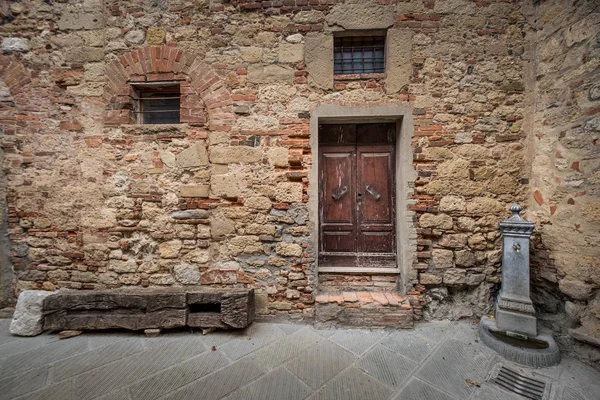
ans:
(157, 103)
(359, 55)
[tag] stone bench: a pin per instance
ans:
(138, 309)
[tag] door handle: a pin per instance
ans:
(336, 197)
(372, 192)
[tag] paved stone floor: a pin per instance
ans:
(270, 361)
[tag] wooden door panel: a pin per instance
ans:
(375, 216)
(339, 242)
(374, 182)
(356, 195)
(337, 185)
(376, 242)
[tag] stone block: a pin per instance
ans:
(14, 44)
(194, 156)
(319, 59)
(226, 186)
(28, 318)
(270, 73)
(155, 36)
(398, 55)
(452, 203)
(220, 228)
(219, 275)
(442, 258)
(289, 192)
(484, 205)
(290, 53)
(439, 221)
(170, 249)
(251, 54)
(194, 190)
(258, 203)
(235, 154)
(186, 274)
(361, 16)
(80, 20)
(190, 214)
(289, 250)
(278, 156)
(465, 258)
(455, 276)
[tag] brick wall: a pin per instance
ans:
(222, 200)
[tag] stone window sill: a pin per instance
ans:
(357, 77)
(153, 129)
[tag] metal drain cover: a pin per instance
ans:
(520, 383)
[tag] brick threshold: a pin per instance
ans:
(363, 309)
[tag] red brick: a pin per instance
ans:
(380, 298)
(322, 298)
(336, 298)
(391, 299)
(350, 297)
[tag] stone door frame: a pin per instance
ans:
(405, 175)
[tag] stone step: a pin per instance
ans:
(363, 309)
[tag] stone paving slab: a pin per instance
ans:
(387, 366)
(276, 385)
(270, 361)
(353, 384)
(416, 389)
(320, 363)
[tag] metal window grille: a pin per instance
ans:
(359, 55)
(158, 105)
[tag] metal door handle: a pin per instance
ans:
(372, 192)
(340, 194)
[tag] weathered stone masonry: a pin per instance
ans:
(95, 201)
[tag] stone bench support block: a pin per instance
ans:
(149, 309)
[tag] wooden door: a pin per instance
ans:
(357, 188)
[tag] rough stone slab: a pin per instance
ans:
(353, 384)
(451, 364)
(177, 376)
(416, 389)
(387, 366)
(28, 317)
(221, 383)
(320, 363)
(279, 384)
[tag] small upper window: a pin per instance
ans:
(157, 103)
(359, 55)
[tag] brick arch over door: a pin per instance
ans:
(204, 96)
(16, 78)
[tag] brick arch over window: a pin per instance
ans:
(204, 96)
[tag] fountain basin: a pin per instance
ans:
(539, 351)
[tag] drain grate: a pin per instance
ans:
(524, 386)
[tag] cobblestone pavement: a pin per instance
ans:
(435, 361)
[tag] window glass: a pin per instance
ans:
(158, 104)
(359, 55)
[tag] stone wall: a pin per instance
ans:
(221, 199)
(565, 159)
